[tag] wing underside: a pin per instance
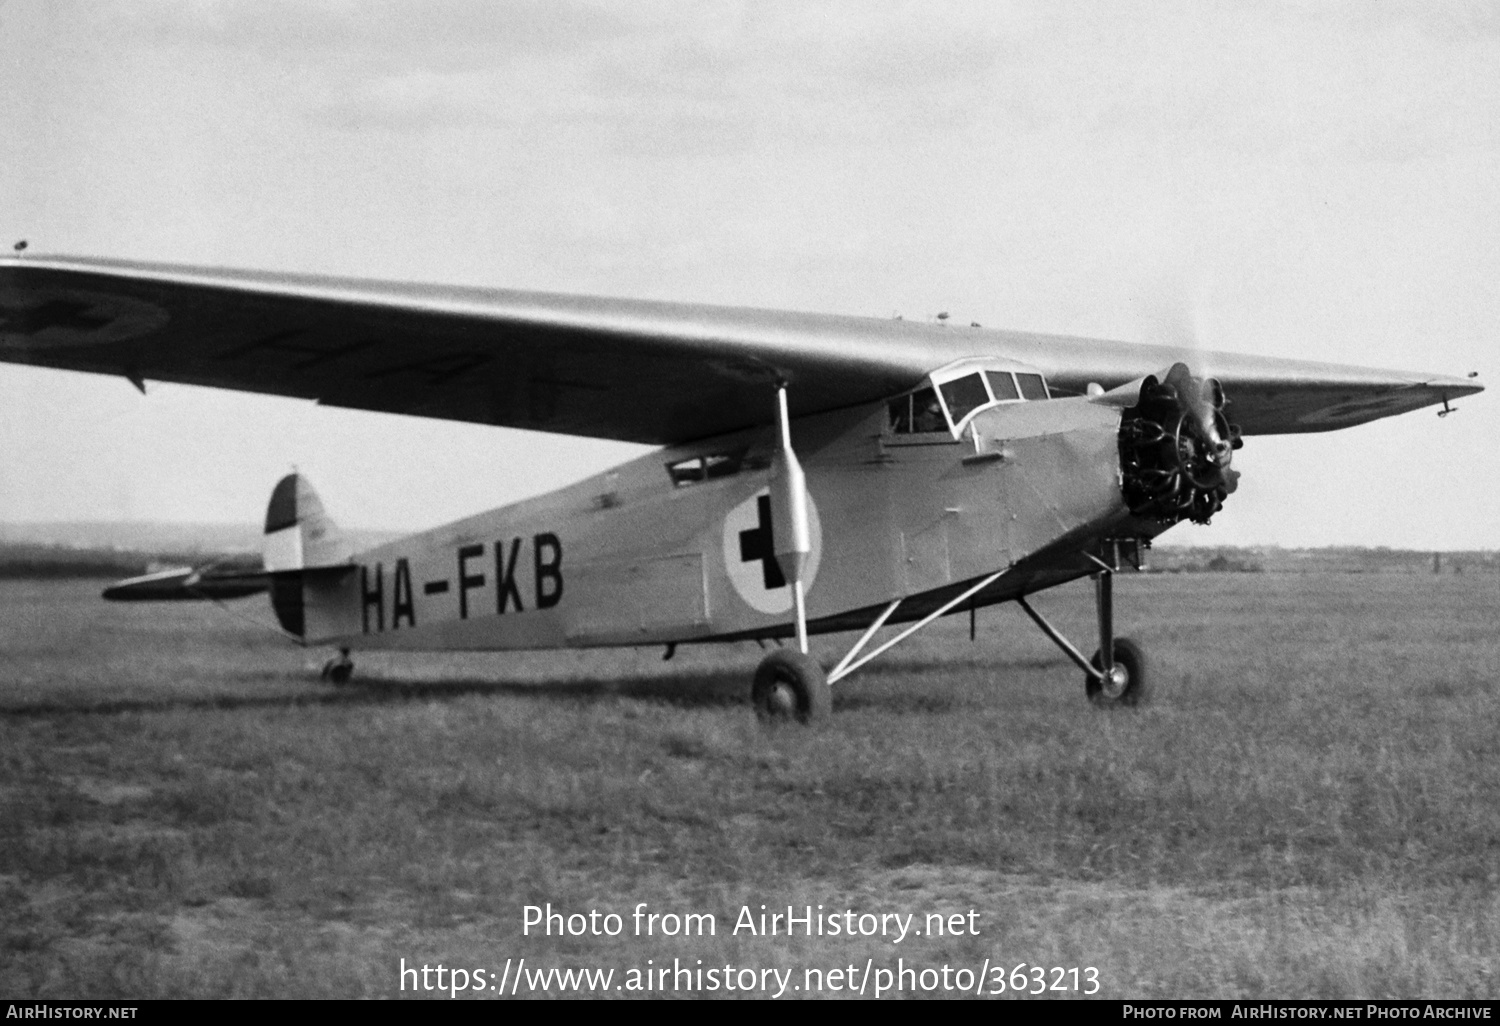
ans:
(632, 370)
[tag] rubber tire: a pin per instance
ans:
(338, 671)
(791, 686)
(1129, 655)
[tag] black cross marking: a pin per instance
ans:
(434, 587)
(55, 313)
(757, 543)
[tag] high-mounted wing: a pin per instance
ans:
(624, 369)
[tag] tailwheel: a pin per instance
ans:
(791, 686)
(1124, 683)
(339, 669)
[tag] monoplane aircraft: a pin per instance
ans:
(816, 473)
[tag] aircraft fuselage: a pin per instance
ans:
(676, 545)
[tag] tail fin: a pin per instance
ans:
(306, 557)
(299, 535)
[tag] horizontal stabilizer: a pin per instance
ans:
(186, 583)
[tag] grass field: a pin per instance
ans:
(1309, 807)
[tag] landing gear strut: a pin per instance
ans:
(790, 684)
(1116, 676)
(339, 669)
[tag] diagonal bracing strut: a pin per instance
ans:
(1060, 641)
(1105, 607)
(850, 663)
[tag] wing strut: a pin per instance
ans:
(790, 530)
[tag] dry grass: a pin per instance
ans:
(1309, 808)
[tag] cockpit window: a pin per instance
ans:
(963, 389)
(900, 415)
(964, 395)
(917, 413)
(1032, 386)
(1003, 385)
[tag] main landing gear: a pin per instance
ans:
(339, 669)
(1116, 676)
(790, 685)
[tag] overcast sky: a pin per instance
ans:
(1315, 179)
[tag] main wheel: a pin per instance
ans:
(1128, 686)
(791, 686)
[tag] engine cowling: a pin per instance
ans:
(1176, 447)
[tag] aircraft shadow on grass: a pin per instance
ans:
(715, 690)
(718, 689)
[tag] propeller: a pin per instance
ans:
(1177, 444)
(1176, 447)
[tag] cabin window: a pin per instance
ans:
(917, 413)
(1003, 385)
(1032, 386)
(694, 469)
(720, 465)
(686, 472)
(965, 395)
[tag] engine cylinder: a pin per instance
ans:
(1176, 447)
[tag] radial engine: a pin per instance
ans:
(1176, 447)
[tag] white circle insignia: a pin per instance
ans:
(750, 558)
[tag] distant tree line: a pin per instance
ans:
(49, 562)
(1339, 559)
